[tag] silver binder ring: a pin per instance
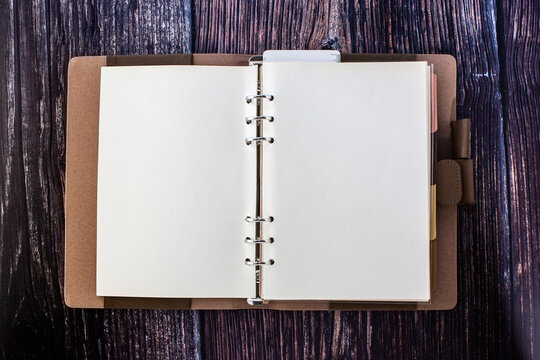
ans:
(259, 241)
(250, 219)
(250, 262)
(250, 119)
(250, 98)
(259, 139)
(257, 301)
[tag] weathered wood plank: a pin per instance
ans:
(152, 334)
(498, 310)
(519, 27)
(263, 334)
(37, 38)
(479, 326)
(249, 27)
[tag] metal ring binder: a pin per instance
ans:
(259, 241)
(258, 219)
(250, 219)
(250, 98)
(258, 139)
(250, 119)
(257, 301)
(250, 262)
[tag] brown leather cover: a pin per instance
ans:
(461, 147)
(449, 186)
(138, 60)
(81, 185)
(461, 138)
(467, 181)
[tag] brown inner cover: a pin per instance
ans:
(81, 189)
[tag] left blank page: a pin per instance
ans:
(173, 170)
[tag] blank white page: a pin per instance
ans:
(172, 177)
(347, 181)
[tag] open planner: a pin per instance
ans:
(273, 181)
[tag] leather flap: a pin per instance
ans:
(461, 138)
(449, 184)
(461, 148)
(467, 181)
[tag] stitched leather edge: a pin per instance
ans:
(457, 183)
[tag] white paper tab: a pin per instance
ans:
(302, 56)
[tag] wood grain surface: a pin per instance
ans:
(519, 41)
(37, 38)
(483, 323)
(497, 48)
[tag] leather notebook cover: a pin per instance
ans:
(81, 189)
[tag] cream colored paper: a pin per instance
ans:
(347, 181)
(173, 171)
(176, 181)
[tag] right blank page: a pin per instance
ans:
(347, 181)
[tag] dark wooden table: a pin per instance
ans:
(497, 47)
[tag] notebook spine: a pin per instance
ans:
(258, 220)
